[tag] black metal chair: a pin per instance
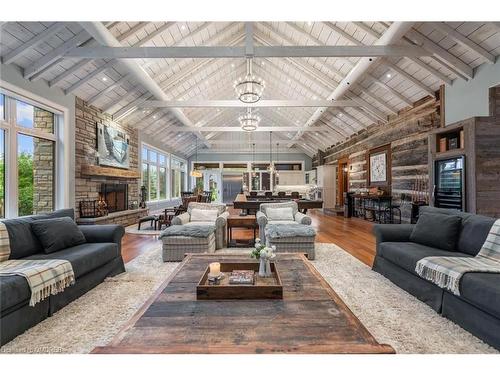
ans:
(295, 195)
(281, 194)
(268, 194)
(253, 194)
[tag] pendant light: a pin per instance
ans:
(253, 160)
(277, 159)
(270, 168)
(195, 172)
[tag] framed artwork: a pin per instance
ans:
(112, 147)
(379, 166)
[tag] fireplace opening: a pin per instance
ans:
(115, 196)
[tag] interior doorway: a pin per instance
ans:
(342, 180)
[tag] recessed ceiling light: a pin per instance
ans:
(263, 63)
(388, 75)
(183, 27)
(104, 79)
(309, 23)
(340, 115)
(232, 65)
(289, 80)
(154, 117)
(315, 97)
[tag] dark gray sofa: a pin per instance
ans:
(92, 262)
(477, 309)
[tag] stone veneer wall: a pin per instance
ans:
(87, 187)
(43, 163)
(407, 135)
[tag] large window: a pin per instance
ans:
(27, 166)
(163, 175)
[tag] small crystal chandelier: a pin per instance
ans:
(249, 121)
(249, 88)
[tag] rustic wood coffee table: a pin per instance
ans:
(311, 318)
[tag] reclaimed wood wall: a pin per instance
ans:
(407, 134)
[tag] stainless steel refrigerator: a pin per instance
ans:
(449, 188)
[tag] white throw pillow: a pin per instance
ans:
(280, 214)
(203, 215)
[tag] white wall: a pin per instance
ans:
(469, 99)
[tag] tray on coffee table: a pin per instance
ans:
(263, 287)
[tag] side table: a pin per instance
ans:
(236, 221)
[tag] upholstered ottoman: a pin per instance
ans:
(291, 238)
(178, 240)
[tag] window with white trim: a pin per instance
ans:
(154, 173)
(178, 177)
(28, 164)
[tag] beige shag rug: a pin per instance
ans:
(393, 316)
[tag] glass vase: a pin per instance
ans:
(262, 267)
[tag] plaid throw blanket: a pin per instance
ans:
(446, 272)
(45, 277)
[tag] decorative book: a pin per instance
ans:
(242, 277)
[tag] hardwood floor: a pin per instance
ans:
(353, 235)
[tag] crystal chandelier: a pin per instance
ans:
(249, 121)
(249, 88)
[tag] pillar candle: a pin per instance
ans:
(214, 269)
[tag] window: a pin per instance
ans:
(178, 177)
(2, 107)
(35, 168)
(2, 173)
(30, 132)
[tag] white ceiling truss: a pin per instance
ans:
(325, 81)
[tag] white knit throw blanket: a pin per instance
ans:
(446, 272)
(45, 277)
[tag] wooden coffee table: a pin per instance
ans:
(311, 318)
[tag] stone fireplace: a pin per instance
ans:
(104, 194)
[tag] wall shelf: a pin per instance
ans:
(96, 170)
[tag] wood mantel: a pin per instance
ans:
(96, 170)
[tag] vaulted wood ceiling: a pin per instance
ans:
(394, 82)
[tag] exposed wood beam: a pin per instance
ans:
(436, 73)
(332, 83)
(37, 39)
(392, 35)
(104, 37)
(464, 41)
(110, 64)
(55, 54)
(385, 61)
(249, 47)
(185, 72)
(237, 52)
(224, 129)
(393, 92)
(260, 104)
(440, 52)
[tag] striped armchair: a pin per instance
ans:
(262, 219)
(220, 222)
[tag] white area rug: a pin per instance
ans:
(393, 316)
(145, 229)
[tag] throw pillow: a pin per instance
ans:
(437, 230)
(280, 214)
(204, 215)
(57, 234)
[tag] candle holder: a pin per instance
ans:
(214, 280)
